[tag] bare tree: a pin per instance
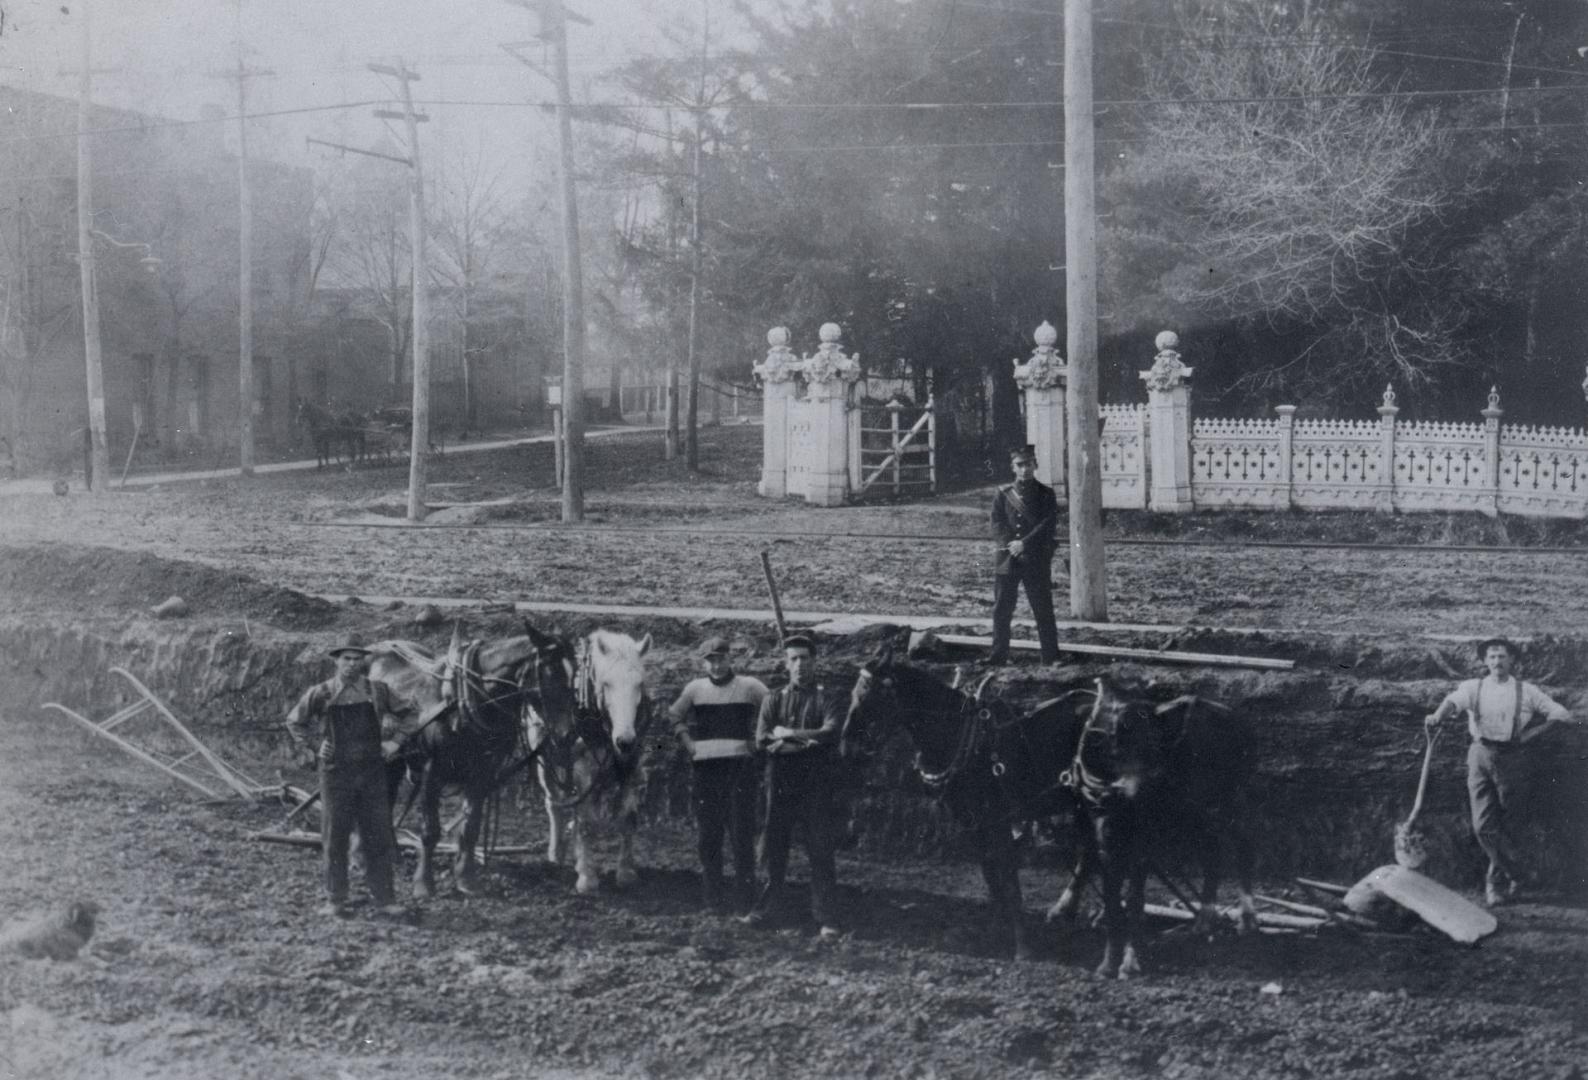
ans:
(371, 252)
(1288, 188)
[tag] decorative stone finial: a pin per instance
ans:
(1493, 412)
(829, 361)
(1389, 395)
(780, 364)
(1046, 368)
(1167, 372)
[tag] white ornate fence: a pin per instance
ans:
(1341, 464)
(1123, 450)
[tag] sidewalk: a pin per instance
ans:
(42, 486)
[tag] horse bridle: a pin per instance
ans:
(972, 733)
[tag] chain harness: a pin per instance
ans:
(976, 746)
(591, 726)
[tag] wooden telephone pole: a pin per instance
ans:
(419, 440)
(1088, 579)
(98, 466)
(554, 20)
(245, 267)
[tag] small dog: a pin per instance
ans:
(57, 936)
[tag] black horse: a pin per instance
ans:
(992, 768)
(332, 433)
(473, 703)
(1147, 773)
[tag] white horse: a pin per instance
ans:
(588, 761)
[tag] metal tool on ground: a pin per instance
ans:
(771, 587)
(1411, 845)
(195, 765)
(1445, 910)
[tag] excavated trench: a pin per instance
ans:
(1339, 738)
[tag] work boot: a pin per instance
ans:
(711, 895)
(336, 909)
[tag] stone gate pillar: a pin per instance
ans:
(1169, 427)
(777, 373)
(1041, 380)
(1384, 493)
(829, 379)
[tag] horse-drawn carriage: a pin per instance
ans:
(343, 436)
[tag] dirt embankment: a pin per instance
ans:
(1339, 736)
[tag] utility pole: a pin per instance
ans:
(98, 466)
(554, 30)
(245, 267)
(419, 441)
(1088, 579)
(692, 455)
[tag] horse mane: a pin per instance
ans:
(415, 656)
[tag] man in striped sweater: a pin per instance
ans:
(714, 719)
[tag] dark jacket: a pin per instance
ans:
(1030, 515)
(813, 711)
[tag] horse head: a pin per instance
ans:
(888, 689)
(612, 685)
(1118, 753)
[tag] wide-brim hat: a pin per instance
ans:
(348, 643)
(800, 641)
(1488, 643)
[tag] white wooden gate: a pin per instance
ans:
(896, 453)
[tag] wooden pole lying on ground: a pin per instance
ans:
(1162, 656)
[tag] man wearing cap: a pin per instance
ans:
(349, 713)
(1025, 516)
(714, 719)
(798, 727)
(1504, 714)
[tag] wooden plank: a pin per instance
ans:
(1163, 656)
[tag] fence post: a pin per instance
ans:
(1287, 455)
(1384, 495)
(829, 377)
(894, 407)
(1169, 427)
(1490, 504)
(776, 373)
(1041, 380)
(931, 442)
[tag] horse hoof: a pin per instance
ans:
(1022, 954)
(625, 878)
(468, 886)
(587, 885)
(1105, 970)
(423, 891)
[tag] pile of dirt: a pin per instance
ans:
(102, 580)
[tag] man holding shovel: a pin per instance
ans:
(1025, 516)
(1504, 714)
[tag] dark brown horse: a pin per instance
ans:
(1149, 773)
(474, 703)
(992, 768)
(332, 433)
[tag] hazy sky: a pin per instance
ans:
(162, 57)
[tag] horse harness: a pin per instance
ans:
(590, 727)
(977, 750)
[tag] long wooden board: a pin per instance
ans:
(1163, 656)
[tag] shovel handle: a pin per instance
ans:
(1422, 781)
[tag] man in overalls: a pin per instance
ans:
(348, 713)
